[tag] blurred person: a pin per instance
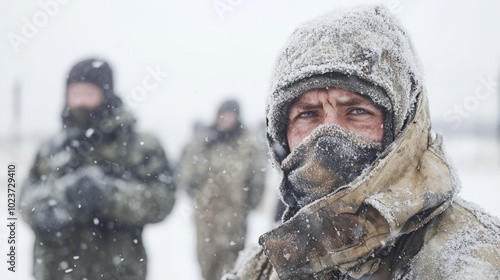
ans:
(95, 185)
(369, 191)
(222, 170)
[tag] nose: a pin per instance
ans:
(331, 117)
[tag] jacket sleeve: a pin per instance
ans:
(143, 194)
(43, 204)
(189, 171)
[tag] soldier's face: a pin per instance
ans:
(334, 106)
(226, 121)
(84, 95)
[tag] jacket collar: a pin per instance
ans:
(406, 187)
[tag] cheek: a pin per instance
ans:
(73, 100)
(373, 132)
(94, 101)
(377, 135)
(85, 100)
(296, 133)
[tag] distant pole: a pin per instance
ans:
(498, 124)
(16, 112)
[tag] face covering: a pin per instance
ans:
(329, 158)
(79, 117)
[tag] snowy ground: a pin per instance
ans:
(171, 243)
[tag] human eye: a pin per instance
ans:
(359, 111)
(301, 114)
(306, 114)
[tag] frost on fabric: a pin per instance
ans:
(386, 211)
(479, 212)
(462, 245)
(343, 143)
(244, 256)
(455, 178)
(367, 42)
(469, 252)
(329, 158)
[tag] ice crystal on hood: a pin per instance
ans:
(97, 63)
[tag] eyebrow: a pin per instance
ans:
(306, 106)
(353, 102)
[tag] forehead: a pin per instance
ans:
(317, 96)
(83, 88)
(226, 112)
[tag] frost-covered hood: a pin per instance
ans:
(365, 42)
(395, 196)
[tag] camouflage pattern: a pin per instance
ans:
(225, 178)
(133, 186)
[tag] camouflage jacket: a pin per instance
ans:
(131, 186)
(230, 171)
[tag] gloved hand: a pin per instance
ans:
(85, 195)
(50, 220)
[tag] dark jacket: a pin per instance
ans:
(89, 195)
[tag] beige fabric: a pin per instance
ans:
(397, 196)
(374, 210)
(464, 244)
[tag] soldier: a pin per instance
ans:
(94, 186)
(223, 171)
(369, 191)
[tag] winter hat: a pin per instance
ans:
(363, 49)
(230, 105)
(94, 71)
(99, 73)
